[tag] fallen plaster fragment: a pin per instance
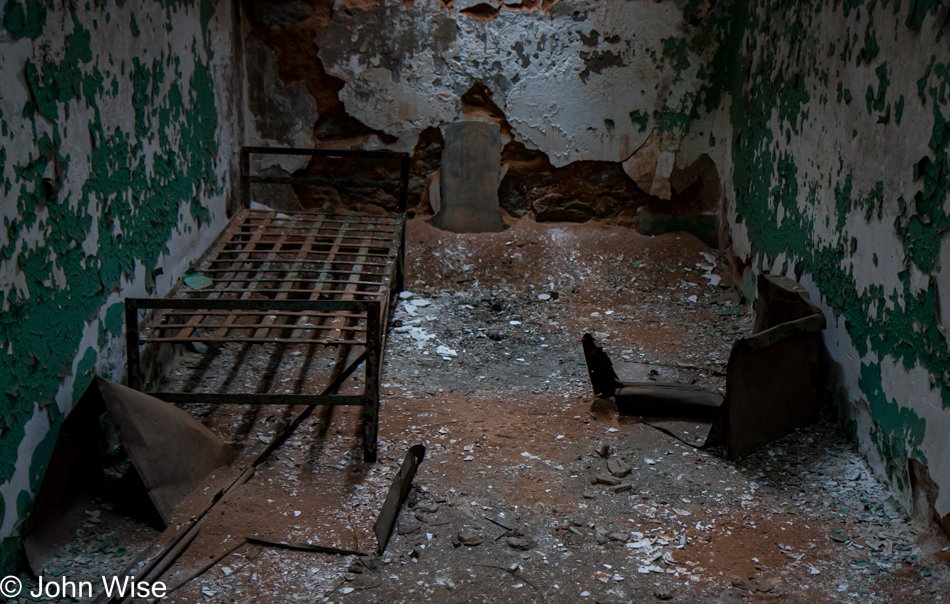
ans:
(650, 167)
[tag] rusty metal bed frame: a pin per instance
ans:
(289, 279)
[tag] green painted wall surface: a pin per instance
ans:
(840, 167)
(114, 167)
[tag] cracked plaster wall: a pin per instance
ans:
(575, 82)
(276, 115)
(838, 174)
(571, 81)
(118, 131)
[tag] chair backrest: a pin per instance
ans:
(772, 377)
(603, 378)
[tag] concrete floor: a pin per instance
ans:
(503, 507)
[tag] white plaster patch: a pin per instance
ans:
(710, 134)
(911, 389)
(186, 244)
(741, 243)
(838, 342)
(942, 279)
(778, 265)
(876, 238)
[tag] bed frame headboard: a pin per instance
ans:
(381, 157)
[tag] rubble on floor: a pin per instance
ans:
(526, 494)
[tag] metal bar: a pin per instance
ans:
(254, 313)
(379, 291)
(362, 183)
(251, 340)
(309, 279)
(133, 367)
(338, 217)
(398, 492)
(304, 547)
(288, 219)
(375, 293)
(228, 270)
(237, 398)
(258, 325)
(321, 238)
(360, 306)
(358, 220)
(371, 384)
(295, 280)
(404, 184)
(401, 260)
(268, 252)
(294, 234)
(329, 224)
(245, 172)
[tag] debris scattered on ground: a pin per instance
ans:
(512, 446)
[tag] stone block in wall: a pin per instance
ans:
(559, 208)
(703, 226)
(512, 198)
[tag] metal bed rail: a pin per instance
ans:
(370, 309)
(289, 279)
(382, 156)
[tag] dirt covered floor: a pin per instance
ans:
(526, 493)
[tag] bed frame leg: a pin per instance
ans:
(133, 368)
(374, 353)
(371, 431)
(401, 261)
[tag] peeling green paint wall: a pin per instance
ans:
(851, 197)
(114, 171)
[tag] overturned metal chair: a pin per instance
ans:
(772, 379)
